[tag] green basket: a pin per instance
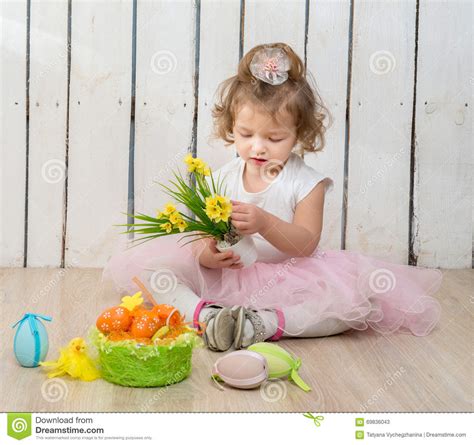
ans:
(128, 363)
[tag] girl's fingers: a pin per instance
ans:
(230, 261)
(241, 224)
(236, 266)
(235, 217)
(224, 255)
(227, 263)
(239, 212)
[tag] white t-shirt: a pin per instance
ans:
(290, 186)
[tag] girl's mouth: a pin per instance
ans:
(258, 161)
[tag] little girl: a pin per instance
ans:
(294, 289)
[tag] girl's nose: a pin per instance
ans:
(258, 145)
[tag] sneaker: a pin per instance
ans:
(258, 327)
(219, 332)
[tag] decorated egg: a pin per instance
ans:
(31, 344)
(280, 363)
(166, 314)
(241, 369)
(144, 325)
(116, 318)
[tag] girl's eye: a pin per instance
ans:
(249, 136)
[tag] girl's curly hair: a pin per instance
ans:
(295, 96)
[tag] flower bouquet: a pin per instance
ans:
(208, 202)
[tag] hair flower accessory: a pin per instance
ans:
(270, 65)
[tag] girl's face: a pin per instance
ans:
(258, 136)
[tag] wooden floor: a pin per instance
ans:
(352, 372)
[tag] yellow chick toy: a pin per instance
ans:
(74, 361)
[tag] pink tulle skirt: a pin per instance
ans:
(360, 290)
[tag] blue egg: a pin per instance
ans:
(31, 343)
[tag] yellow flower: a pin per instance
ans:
(131, 302)
(218, 208)
(213, 212)
(225, 214)
(181, 225)
(169, 208)
(211, 201)
(160, 215)
(166, 226)
(225, 203)
(191, 162)
(197, 165)
(175, 217)
(223, 199)
(202, 168)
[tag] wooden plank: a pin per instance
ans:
(355, 371)
(380, 129)
(327, 62)
(275, 21)
(48, 121)
(219, 58)
(443, 195)
(165, 97)
(97, 186)
(13, 65)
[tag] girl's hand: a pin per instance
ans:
(213, 259)
(247, 218)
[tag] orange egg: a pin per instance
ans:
(139, 311)
(114, 319)
(166, 312)
(144, 325)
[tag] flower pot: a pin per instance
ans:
(245, 248)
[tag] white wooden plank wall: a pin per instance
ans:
(165, 96)
(47, 132)
(381, 104)
(220, 22)
(86, 133)
(327, 61)
(443, 195)
(99, 128)
(13, 132)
